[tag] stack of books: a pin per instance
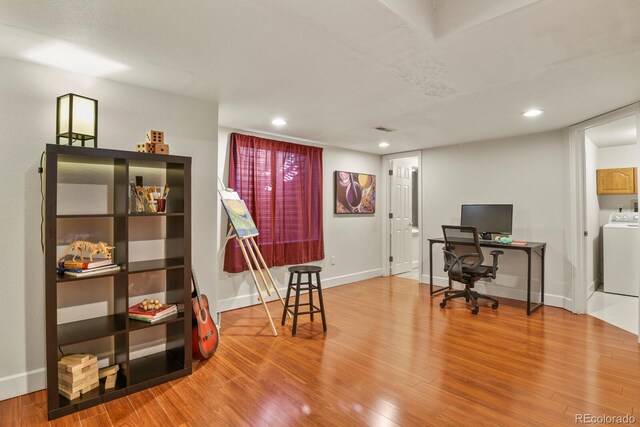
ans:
(136, 312)
(84, 267)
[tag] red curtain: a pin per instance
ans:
(281, 184)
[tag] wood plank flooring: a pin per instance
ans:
(391, 356)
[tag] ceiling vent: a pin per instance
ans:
(385, 129)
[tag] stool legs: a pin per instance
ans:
(297, 286)
(324, 320)
(296, 306)
(286, 300)
(310, 296)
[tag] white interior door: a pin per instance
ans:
(400, 210)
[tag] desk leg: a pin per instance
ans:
(431, 291)
(529, 282)
(431, 268)
(530, 310)
(544, 250)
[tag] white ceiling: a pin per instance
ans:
(615, 133)
(441, 71)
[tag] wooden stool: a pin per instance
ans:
(299, 270)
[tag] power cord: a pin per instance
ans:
(41, 172)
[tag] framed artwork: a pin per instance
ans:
(355, 193)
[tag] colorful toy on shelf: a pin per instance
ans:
(82, 248)
(154, 143)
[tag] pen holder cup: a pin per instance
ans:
(161, 205)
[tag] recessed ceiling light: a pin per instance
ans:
(383, 144)
(72, 58)
(532, 112)
(278, 122)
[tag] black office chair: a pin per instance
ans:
(463, 262)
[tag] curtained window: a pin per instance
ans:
(281, 184)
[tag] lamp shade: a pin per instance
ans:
(77, 119)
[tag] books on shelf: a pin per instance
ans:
(136, 312)
(78, 272)
(84, 264)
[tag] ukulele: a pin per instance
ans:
(205, 333)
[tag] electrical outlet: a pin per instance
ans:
(333, 260)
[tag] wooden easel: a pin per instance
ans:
(256, 263)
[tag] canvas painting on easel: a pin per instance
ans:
(240, 218)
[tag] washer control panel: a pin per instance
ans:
(627, 217)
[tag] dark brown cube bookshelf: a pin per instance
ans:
(113, 171)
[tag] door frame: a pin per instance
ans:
(577, 193)
(385, 201)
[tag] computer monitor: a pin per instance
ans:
(488, 219)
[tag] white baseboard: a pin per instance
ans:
(23, 383)
(500, 291)
(252, 299)
(437, 281)
(350, 278)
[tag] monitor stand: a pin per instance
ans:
(485, 236)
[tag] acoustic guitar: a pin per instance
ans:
(205, 333)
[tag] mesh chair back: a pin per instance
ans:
(458, 242)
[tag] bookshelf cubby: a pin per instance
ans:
(87, 198)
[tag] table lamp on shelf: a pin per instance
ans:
(77, 119)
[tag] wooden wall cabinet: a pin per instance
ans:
(72, 175)
(617, 181)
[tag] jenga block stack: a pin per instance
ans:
(161, 148)
(155, 137)
(77, 374)
(145, 147)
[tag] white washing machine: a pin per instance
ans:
(621, 252)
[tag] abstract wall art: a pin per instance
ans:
(355, 193)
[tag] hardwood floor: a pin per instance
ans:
(391, 356)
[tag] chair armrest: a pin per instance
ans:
(450, 259)
(495, 254)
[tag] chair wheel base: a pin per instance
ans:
(475, 310)
(443, 304)
(494, 305)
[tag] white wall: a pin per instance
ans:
(594, 241)
(415, 249)
(353, 240)
(28, 110)
(529, 172)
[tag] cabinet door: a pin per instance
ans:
(616, 181)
